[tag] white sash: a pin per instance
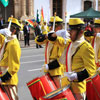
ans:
(66, 56)
(48, 48)
(2, 49)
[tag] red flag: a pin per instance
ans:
(42, 15)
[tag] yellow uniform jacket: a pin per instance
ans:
(11, 61)
(83, 59)
(95, 42)
(45, 29)
(54, 52)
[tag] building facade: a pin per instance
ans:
(27, 9)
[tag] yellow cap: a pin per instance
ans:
(57, 19)
(97, 21)
(2, 38)
(75, 21)
(15, 21)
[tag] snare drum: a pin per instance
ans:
(3, 95)
(41, 86)
(93, 88)
(90, 90)
(59, 94)
(96, 85)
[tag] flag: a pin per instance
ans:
(42, 16)
(31, 22)
(37, 17)
(5, 2)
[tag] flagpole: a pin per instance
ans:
(65, 20)
(96, 5)
(5, 15)
(54, 22)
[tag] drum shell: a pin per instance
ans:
(96, 83)
(90, 90)
(41, 86)
(64, 92)
(3, 95)
(63, 98)
(48, 83)
(93, 88)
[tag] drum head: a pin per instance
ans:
(56, 92)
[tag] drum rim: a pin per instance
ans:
(53, 95)
(94, 75)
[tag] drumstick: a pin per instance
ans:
(38, 69)
(65, 20)
(54, 22)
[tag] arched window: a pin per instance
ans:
(57, 7)
(87, 5)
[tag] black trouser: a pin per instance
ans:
(26, 40)
(38, 46)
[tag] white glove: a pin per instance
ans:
(50, 32)
(45, 66)
(98, 69)
(71, 75)
(62, 33)
(98, 35)
(5, 32)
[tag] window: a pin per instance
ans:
(57, 7)
(87, 5)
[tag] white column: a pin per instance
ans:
(16, 9)
(51, 7)
(64, 9)
(30, 9)
(23, 7)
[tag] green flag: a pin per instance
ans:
(37, 17)
(5, 2)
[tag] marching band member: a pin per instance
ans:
(52, 52)
(95, 40)
(45, 28)
(78, 57)
(9, 64)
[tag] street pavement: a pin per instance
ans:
(31, 58)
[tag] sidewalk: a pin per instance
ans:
(32, 44)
